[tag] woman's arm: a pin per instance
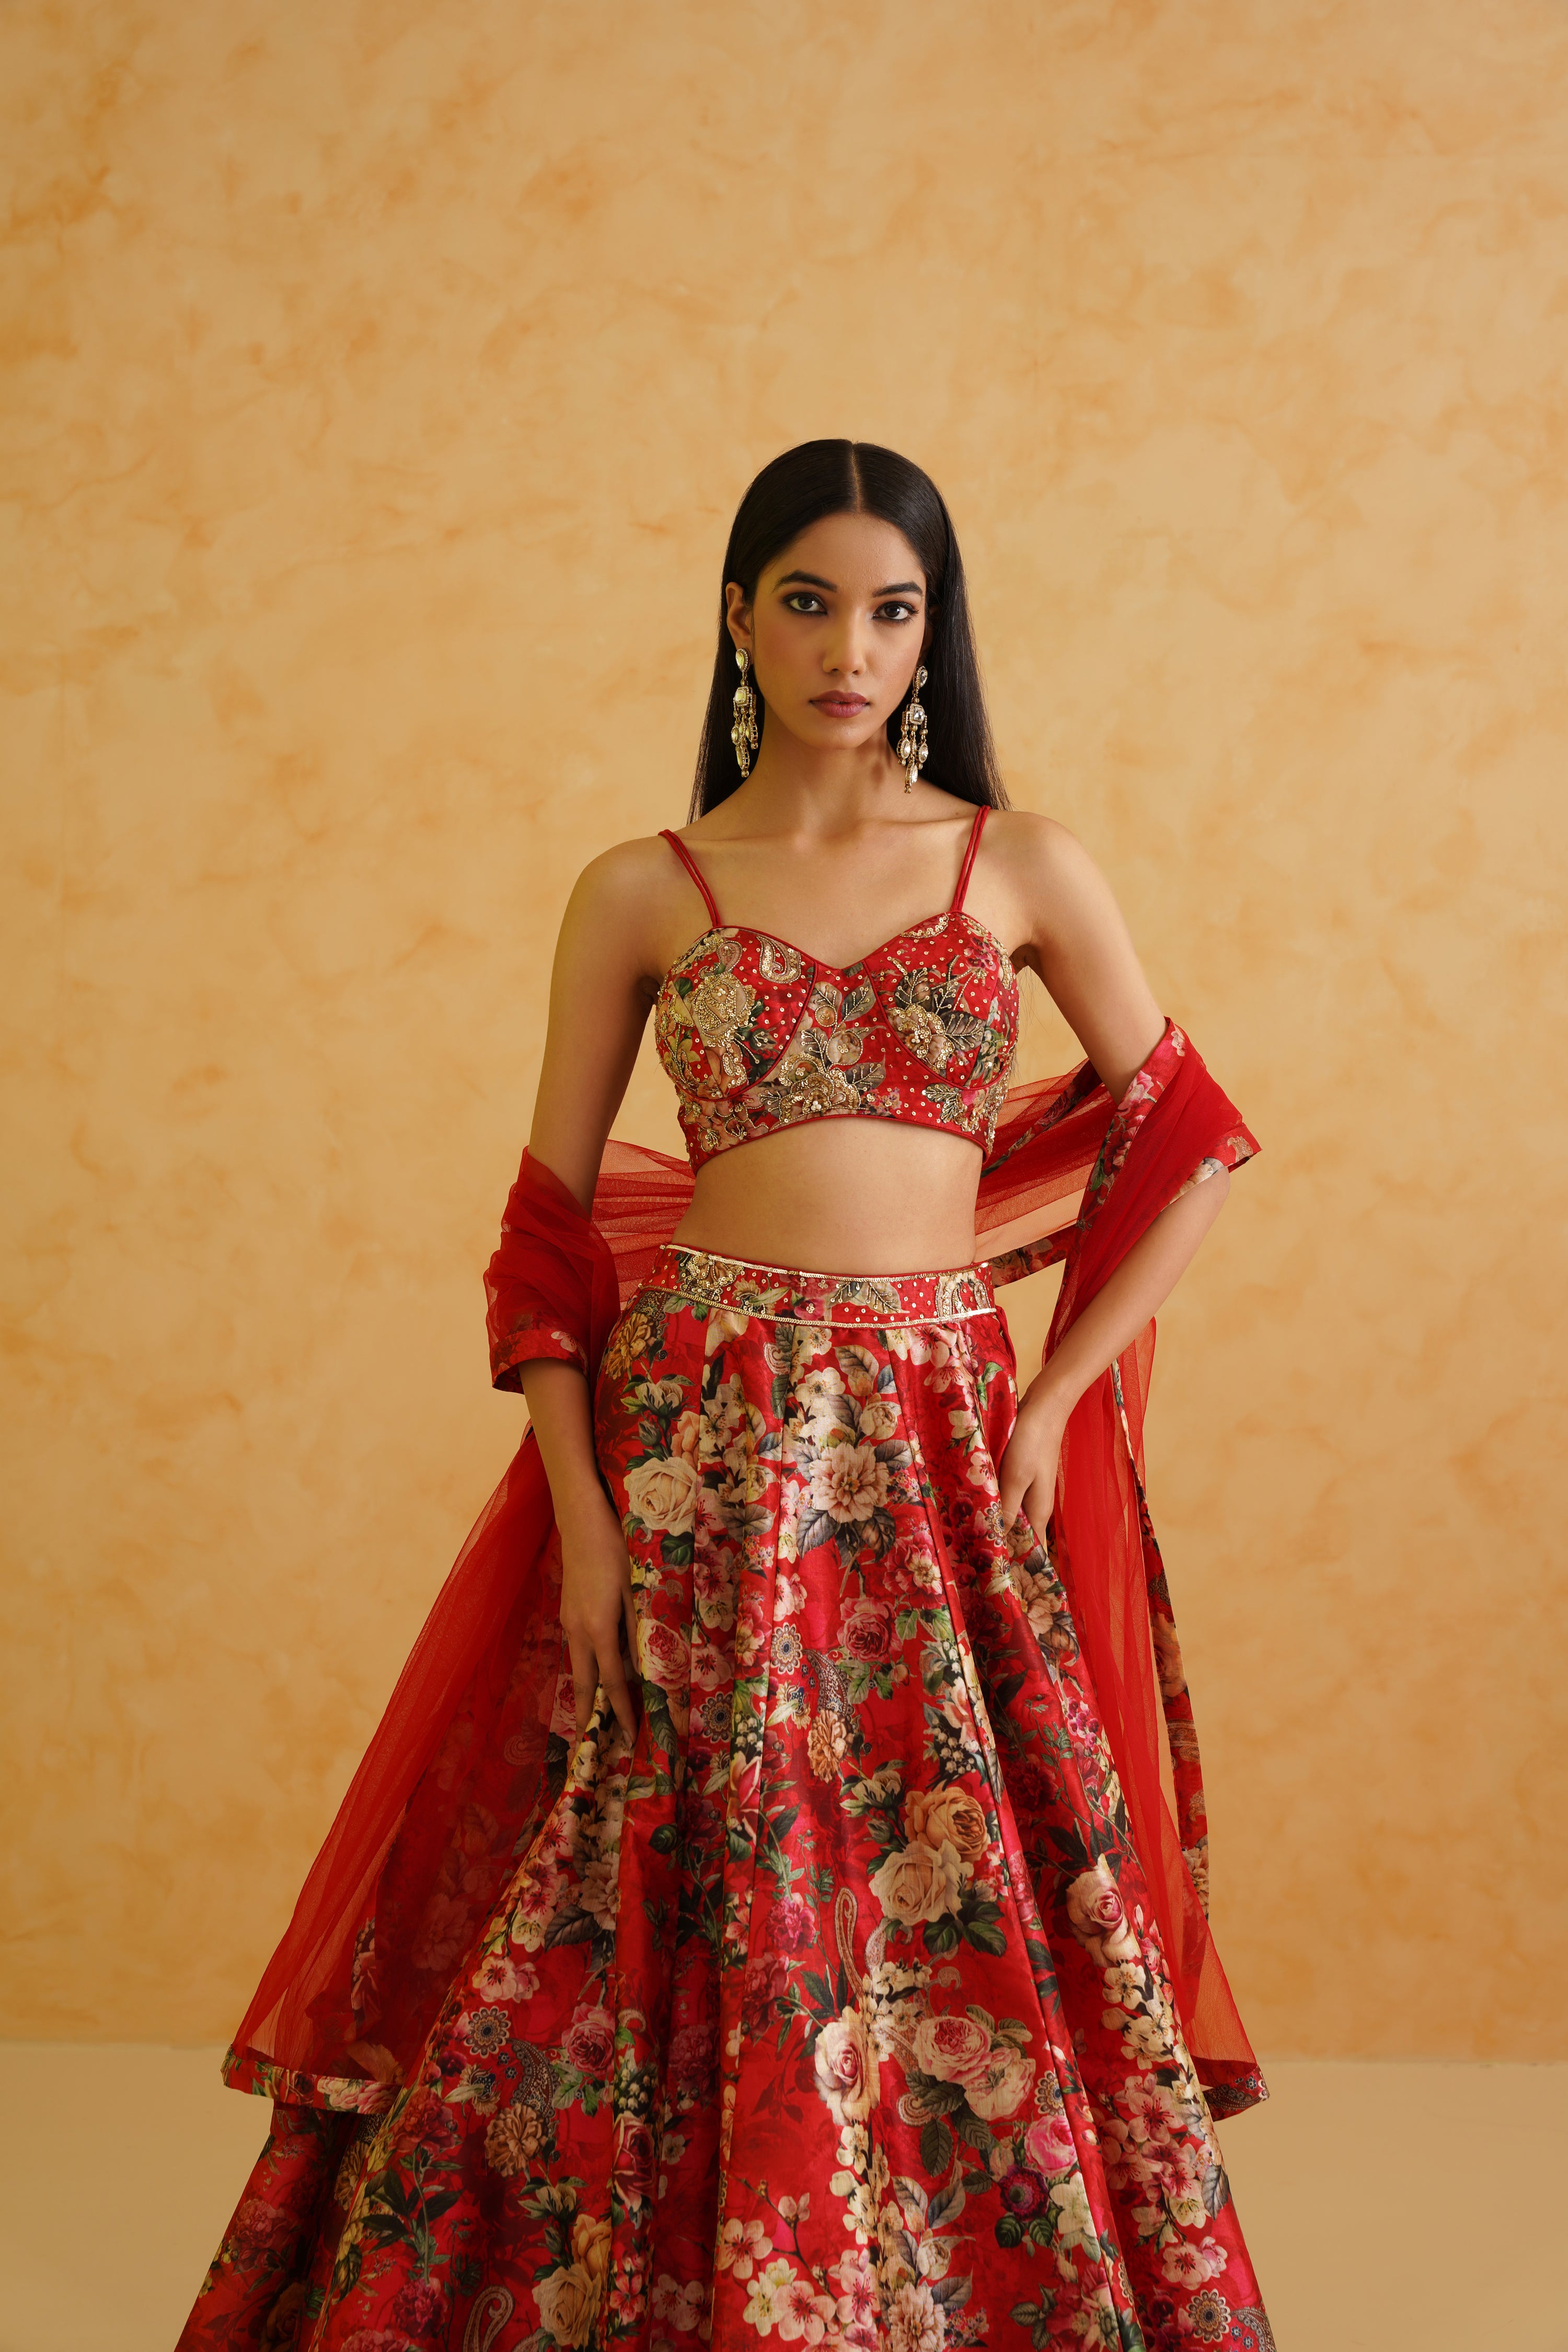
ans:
(1074, 938)
(1054, 900)
(595, 1571)
(1111, 1321)
(606, 963)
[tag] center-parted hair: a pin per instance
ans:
(829, 477)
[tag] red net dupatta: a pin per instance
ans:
(463, 1761)
(466, 1758)
(1171, 1128)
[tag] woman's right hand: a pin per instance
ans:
(596, 1602)
(597, 1608)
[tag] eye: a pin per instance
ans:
(895, 611)
(802, 600)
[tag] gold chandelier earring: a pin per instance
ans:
(743, 733)
(915, 749)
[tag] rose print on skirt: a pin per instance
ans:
(833, 2010)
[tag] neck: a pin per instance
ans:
(795, 789)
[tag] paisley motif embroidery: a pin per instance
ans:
(755, 1037)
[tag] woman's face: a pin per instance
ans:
(838, 624)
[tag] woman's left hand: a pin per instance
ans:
(1027, 1470)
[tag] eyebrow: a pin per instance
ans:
(814, 580)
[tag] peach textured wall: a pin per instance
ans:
(381, 379)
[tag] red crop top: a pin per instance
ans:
(757, 1035)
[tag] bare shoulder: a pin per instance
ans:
(628, 895)
(1047, 893)
(622, 876)
(1037, 853)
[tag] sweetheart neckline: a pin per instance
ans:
(820, 963)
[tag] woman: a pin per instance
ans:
(810, 1950)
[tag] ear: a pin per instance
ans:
(737, 617)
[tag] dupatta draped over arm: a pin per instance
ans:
(454, 1779)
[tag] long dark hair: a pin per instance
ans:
(829, 477)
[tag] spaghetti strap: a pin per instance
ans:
(976, 830)
(695, 871)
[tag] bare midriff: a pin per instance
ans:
(840, 1196)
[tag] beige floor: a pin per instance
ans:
(1399, 2208)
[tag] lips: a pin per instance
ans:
(840, 706)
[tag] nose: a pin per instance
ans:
(845, 652)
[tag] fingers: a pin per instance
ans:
(629, 1631)
(598, 1664)
(584, 1680)
(613, 1674)
(619, 1685)
(1013, 1478)
(1026, 1489)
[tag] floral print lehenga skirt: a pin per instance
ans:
(833, 2010)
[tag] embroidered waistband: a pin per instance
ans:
(783, 1293)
